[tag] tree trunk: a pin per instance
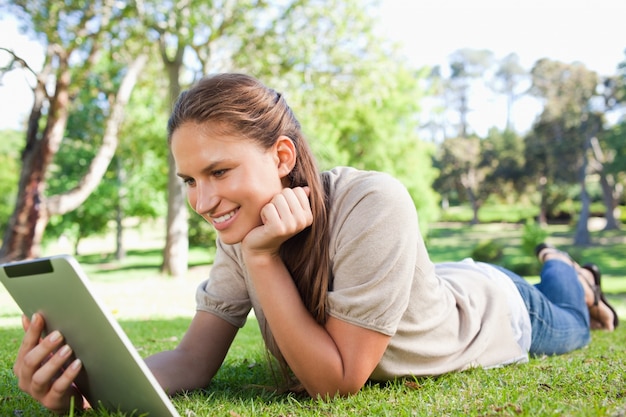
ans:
(582, 236)
(467, 180)
(24, 231)
(543, 211)
(33, 210)
(610, 196)
(176, 251)
(610, 203)
(120, 253)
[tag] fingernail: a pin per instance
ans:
(65, 350)
(76, 364)
(54, 336)
(33, 318)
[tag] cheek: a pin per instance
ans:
(191, 198)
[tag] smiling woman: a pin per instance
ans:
(334, 266)
(224, 176)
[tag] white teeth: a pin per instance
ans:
(224, 217)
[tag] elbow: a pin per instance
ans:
(327, 393)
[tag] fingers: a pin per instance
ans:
(42, 379)
(25, 322)
(33, 329)
(62, 384)
(292, 210)
(287, 214)
(40, 365)
(36, 362)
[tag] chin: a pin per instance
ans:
(229, 239)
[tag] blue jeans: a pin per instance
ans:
(559, 316)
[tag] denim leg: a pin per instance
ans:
(559, 316)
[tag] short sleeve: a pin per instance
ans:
(374, 235)
(225, 293)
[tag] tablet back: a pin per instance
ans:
(113, 373)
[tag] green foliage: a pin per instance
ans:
(11, 145)
(201, 233)
(614, 145)
(532, 235)
(373, 128)
(69, 166)
(488, 251)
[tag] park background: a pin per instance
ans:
(505, 122)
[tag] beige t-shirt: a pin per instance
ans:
(439, 320)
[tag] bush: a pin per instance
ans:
(524, 269)
(532, 235)
(201, 233)
(488, 251)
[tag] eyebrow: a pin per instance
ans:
(206, 169)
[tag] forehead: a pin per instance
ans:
(196, 143)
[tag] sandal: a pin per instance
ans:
(540, 247)
(597, 290)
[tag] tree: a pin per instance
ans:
(502, 158)
(465, 66)
(459, 163)
(605, 159)
(609, 162)
(507, 80)
(75, 34)
(565, 128)
(435, 104)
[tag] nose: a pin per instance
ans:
(206, 198)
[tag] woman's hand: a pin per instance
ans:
(44, 368)
(286, 215)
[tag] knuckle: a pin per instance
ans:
(22, 385)
(37, 381)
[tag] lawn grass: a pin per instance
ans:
(587, 382)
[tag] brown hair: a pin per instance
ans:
(243, 105)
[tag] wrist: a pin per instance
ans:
(260, 259)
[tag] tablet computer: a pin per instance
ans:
(113, 373)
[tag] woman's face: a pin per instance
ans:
(228, 178)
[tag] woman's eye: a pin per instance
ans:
(189, 182)
(219, 172)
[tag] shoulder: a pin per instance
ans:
(368, 203)
(349, 186)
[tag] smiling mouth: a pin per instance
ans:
(222, 219)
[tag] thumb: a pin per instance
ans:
(25, 322)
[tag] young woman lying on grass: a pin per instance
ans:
(333, 265)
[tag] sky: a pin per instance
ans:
(592, 32)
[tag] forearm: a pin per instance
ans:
(175, 371)
(197, 358)
(308, 348)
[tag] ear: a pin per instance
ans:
(285, 155)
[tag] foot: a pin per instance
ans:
(602, 315)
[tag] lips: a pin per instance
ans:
(223, 218)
